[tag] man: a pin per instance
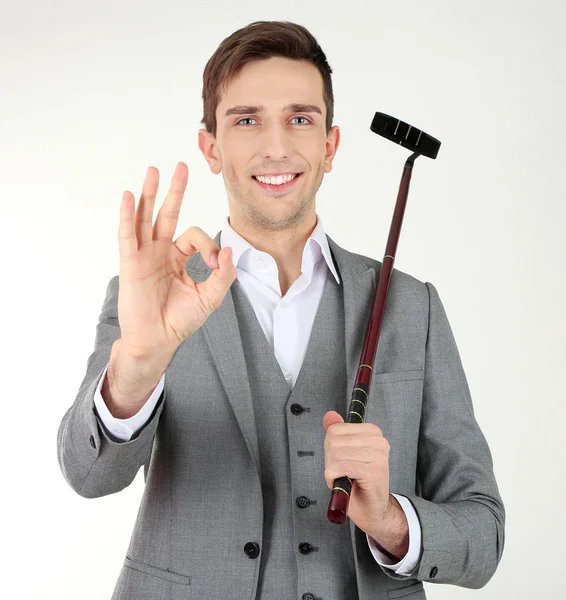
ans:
(258, 336)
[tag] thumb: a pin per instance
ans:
(330, 418)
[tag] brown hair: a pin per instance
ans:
(256, 41)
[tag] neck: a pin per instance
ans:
(286, 246)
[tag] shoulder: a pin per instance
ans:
(402, 283)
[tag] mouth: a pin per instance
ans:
(283, 187)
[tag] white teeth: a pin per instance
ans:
(278, 180)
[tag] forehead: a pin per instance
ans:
(274, 83)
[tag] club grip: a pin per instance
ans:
(339, 500)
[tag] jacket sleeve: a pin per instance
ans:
(93, 461)
(457, 502)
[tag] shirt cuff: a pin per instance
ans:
(123, 429)
(410, 561)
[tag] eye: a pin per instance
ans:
(307, 120)
(245, 119)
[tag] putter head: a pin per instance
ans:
(404, 134)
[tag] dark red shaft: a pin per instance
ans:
(342, 487)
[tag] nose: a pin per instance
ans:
(275, 142)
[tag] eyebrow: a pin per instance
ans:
(293, 107)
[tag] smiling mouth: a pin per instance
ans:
(270, 187)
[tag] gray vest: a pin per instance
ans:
(303, 554)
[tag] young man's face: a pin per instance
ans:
(276, 139)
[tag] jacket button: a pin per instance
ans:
(302, 502)
(296, 409)
(251, 549)
(307, 597)
(92, 442)
(433, 572)
(304, 547)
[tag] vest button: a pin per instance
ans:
(433, 572)
(307, 597)
(304, 547)
(92, 442)
(296, 409)
(251, 549)
(302, 502)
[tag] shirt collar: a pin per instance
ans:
(315, 247)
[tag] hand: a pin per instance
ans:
(359, 451)
(159, 305)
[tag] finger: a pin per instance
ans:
(127, 242)
(168, 215)
(144, 213)
(194, 239)
(349, 468)
(331, 473)
(220, 279)
(347, 429)
(367, 453)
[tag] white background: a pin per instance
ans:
(92, 93)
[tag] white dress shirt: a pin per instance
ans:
(287, 323)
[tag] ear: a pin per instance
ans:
(332, 143)
(208, 147)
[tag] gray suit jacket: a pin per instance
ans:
(419, 397)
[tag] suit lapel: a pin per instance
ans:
(222, 335)
(358, 286)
